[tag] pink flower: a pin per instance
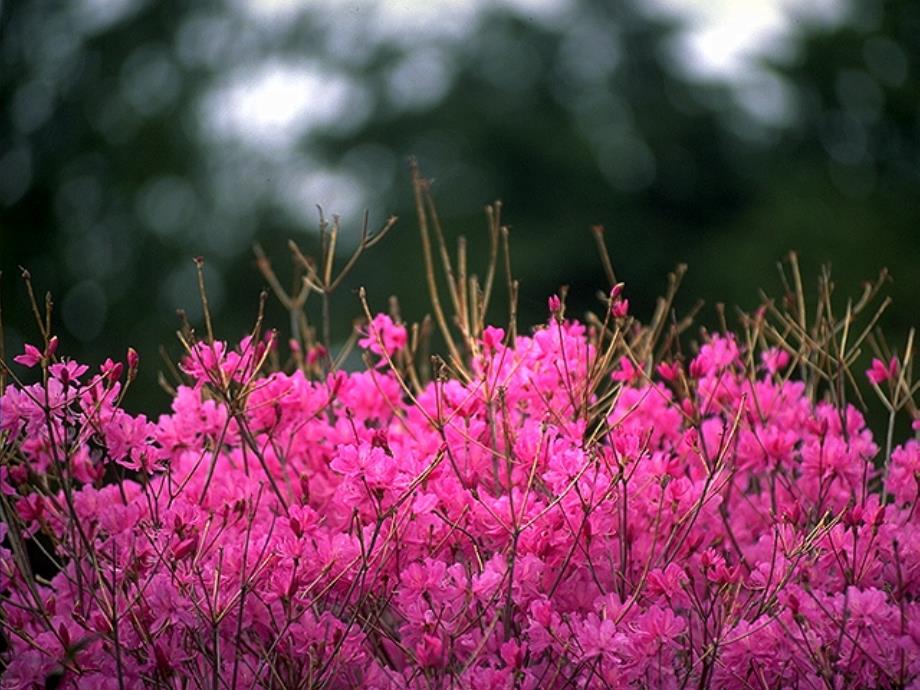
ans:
(30, 357)
(30, 508)
(627, 371)
(111, 370)
(525, 524)
(67, 372)
(384, 336)
(513, 653)
(668, 371)
(132, 358)
(774, 360)
(619, 309)
(429, 651)
(315, 354)
(371, 463)
(879, 372)
(599, 637)
(492, 337)
(668, 582)
(660, 625)
(903, 480)
(185, 548)
(719, 353)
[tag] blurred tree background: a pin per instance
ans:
(138, 134)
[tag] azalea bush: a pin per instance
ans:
(595, 503)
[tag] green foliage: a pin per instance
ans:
(112, 179)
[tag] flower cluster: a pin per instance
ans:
(556, 517)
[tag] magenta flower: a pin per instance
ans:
(879, 372)
(30, 357)
(383, 336)
(550, 518)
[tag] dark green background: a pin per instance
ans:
(585, 120)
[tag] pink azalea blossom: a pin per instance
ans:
(384, 336)
(552, 518)
(880, 372)
(30, 357)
